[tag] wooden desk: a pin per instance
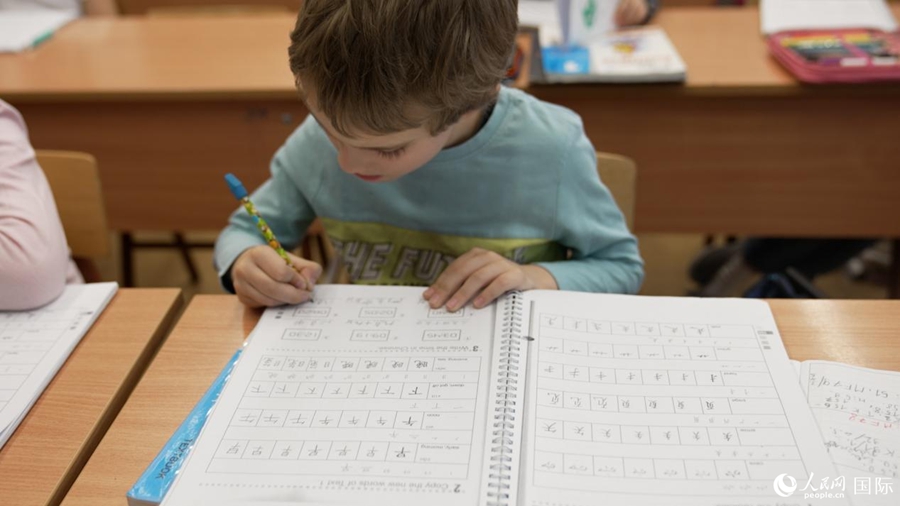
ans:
(44, 456)
(168, 105)
(214, 326)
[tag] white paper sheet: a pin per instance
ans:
(645, 401)
(637, 55)
(858, 413)
(781, 15)
(21, 29)
(544, 15)
(365, 396)
(35, 344)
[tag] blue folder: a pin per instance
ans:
(153, 484)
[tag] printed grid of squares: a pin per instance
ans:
(666, 469)
(560, 322)
(724, 436)
(660, 405)
(340, 419)
(360, 451)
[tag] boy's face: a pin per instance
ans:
(382, 158)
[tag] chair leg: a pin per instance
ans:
(88, 270)
(305, 247)
(127, 259)
(185, 251)
(894, 273)
(323, 250)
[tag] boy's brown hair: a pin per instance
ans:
(383, 66)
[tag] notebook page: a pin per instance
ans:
(543, 15)
(365, 396)
(20, 29)
(35, 344)
(647, 400)
(636, 54)
(858, 412)
(782, 15)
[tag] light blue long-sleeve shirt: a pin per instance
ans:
(525, 186)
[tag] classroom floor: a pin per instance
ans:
(666, 255)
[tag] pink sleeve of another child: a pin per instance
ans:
(34, 256)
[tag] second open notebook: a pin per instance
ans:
(368, 396)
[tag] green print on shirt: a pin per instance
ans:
(378, 254)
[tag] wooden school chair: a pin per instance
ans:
(75, 182)
(619, 174)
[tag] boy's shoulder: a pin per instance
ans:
(543, 134)
(532, 116)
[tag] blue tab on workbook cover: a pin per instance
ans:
(153, 484)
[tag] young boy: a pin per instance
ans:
(424, 170)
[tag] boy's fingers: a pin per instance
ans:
(250, 296)
(456, 274)
(283, 293)
(474, 283)
(310, 271)
(276, 268)
(311, 274)
(503, 283)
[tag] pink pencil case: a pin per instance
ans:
(838, 56)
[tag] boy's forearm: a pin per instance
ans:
(231, 243)
(541, 277)
(597, 275)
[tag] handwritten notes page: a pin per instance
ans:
(35, 344)
(662, 401)
(365, 396)
(858, 412)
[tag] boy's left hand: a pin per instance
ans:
(485, 274)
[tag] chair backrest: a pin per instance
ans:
(75, 182)
(619, 174)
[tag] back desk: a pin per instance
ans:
(169, 104)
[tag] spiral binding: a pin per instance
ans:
(505, 402)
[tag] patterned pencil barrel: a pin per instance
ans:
(240, 193)
(265, 230)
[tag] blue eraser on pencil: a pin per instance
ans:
(151, 487)
(235, 185)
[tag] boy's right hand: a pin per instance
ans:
(262, 278)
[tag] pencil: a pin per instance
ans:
(240, 193)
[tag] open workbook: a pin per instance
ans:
(35, 344)
(368, 396)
